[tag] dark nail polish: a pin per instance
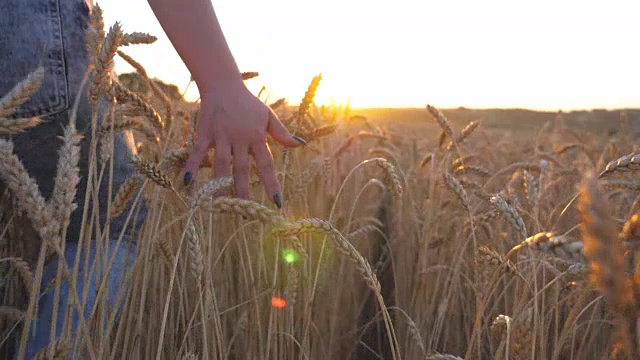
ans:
(300, 140)
(187, 178)
(277, 198)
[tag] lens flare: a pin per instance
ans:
(290, 256)
(278, 302)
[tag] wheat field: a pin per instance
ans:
(429, 240)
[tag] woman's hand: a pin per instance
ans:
(235, 122)
(231, 119)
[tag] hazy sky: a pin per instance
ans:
(534, 54)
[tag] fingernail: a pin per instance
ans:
(300, 140)
(187, 178)
(278, 200)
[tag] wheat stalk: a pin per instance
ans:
(125, 194)
(439, 356)
(292, 285)
(11, 313)
(530, 188)
(154, 87)
(247, 208)
(453, 185)
(103, 63)
(443, 122)
(566, 148)
(278, 103)
(9, 127)
(319, 132)
(297, 245)
(394, 179)
(510, 213)
(346, 144)
(67, 178)
(371, 135)
(472, 169)
(464, 134)
(60, 350)
(601, 246)
(195, 251)
(502, 323)
(305, 104)
(622, 184)
(127, 96)
(548, 242)
(492, 257)
(178, 157)
(307, 176)
(605, 255)
(24, 187)
(208, 190)
(383, 152)
(95, 32)
(426, 159)
(630, 234)
(248, 75)
(625, 163)
(20, 93)
(363, 230)
(125, 125)
(23, 270)
(313, 225)
(137, 38)
(151, 171)
(189, 356)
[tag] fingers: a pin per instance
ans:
(241, 170)
(192, 165)
(280, 133)
(264, 162)
(223, 158)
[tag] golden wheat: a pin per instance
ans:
(151, 171)
(18, 96)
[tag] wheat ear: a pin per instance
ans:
(60, 350)
(605, 255)
(453, 185)
(548, 242)
(24, 187)
(305, 104)
(151, 171)
(20, 94)
(125, 194)
(625, 163)
(510, 213)
(205, 193)
(601, 246)
(246, 208)
(137, 38)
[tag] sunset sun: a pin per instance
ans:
(458, 53)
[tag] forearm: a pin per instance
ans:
(195, 32)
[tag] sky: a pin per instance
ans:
(543, 55)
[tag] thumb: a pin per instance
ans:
(279, 132)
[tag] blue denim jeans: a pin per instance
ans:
(52, 33)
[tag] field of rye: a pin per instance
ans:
(430, 240)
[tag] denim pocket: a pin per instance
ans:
(30, 36)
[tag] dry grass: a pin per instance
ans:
(393, 242)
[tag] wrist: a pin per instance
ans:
(220, 82)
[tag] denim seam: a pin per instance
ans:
(62, 89)
(57, 101)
